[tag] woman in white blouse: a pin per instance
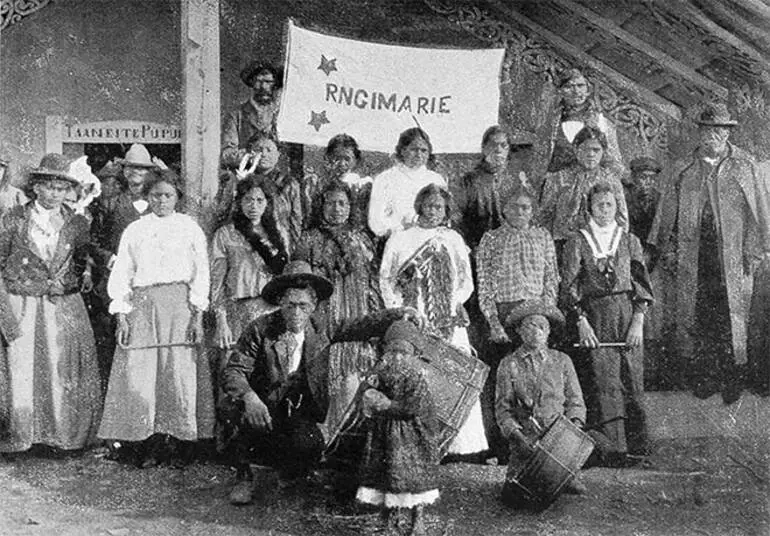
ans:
(160, 384)
(391, 206)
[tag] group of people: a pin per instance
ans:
(321, 292)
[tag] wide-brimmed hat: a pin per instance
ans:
(404, 330)
(256, 67)
(533, 307)
(53, 166)
(138, 156)
(716, 115)
(296, 274)
(645, 163)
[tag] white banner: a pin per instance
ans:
(374, 92)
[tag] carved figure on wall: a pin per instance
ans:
(714, 209)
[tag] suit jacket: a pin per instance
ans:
(260, 361)
(112, 218)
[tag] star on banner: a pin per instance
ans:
(318, 120)
(327, 66)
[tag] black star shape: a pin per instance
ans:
(318, 120)
(327, 66)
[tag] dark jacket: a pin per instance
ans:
(114, 216)
(260, 361)
(25, 273)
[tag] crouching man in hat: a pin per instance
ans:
(275, 381)
(535, 385)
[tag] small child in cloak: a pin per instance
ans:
(400, 459)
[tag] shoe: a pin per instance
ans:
(242, 493)
(731, 392)
(706, 389)
(575, 487)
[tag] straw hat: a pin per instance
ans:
(533, 307)
(138, 156)
(53, 166)
(296, 274)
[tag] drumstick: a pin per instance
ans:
(603, 345)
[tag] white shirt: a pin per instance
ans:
(140, 205)
(44, 229)
(296, 356)
(156, 250)
(607, 238)
(391, 207)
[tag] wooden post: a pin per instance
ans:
(201, 108)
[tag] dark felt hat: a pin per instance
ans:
(296, 274)
(716, 115)
(404, 330)
(256, 67)
(533, 307)
(53, 166)
(645, 163)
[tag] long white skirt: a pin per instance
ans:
(470, 439)
(159, 384)
(54, 393)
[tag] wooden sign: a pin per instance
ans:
(126, 132)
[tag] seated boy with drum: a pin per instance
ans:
(535, 385)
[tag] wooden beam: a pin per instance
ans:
(684, 9)
(201, 105)
(672, 64)
(629, 86)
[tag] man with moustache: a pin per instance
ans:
(256, 116)
(711, 229)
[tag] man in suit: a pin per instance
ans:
(111, 217)
(275, 381)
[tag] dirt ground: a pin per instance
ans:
(717, 487)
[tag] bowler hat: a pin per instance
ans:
(53, 166)
(138, 156)
(533, 307)
(716, 115)
(645, 163)
(296, 274)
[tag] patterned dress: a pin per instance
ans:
(398, 466)
(345, 256)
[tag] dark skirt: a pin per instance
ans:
(613, 378)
